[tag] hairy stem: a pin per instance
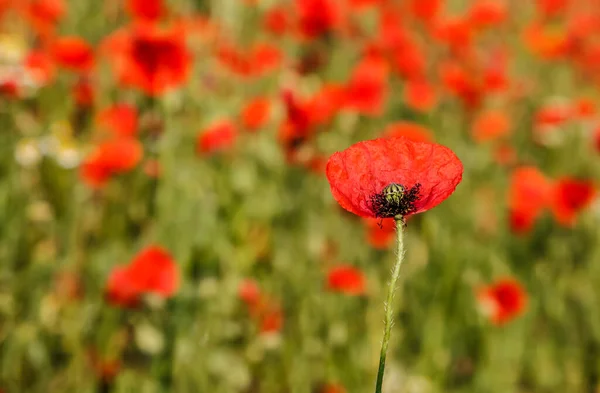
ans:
(389, 307)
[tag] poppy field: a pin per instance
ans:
(283, 196)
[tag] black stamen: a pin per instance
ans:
(384, 206)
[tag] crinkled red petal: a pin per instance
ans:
(366, 168)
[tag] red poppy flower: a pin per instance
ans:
(419, 95)
(569, 197)
(502, 301)
(326, 103)
(218, 136)
(121, 289)
(44, 15)
(456, 32)
(146, 10)
(545, 42)
(366, 91)
(152, 270)
(425, 10)
(461, 83)
(490, 125)
(317, 17)
(83, 93)
(249, 292)
(528, 195)
(347, 280)
(257, 61)
(393, 177)
(155, 271)
(413, 131)
(380, 232)
(265, 311)
(407, 56)
(119, 119)
(554, 114)
(149, 58)
(297, 126)
(584, 108)
(487, 13)
(110, 158)
(332, 388)
(495, 75)
(264, 58)
(276, 21)
(550, 8)
(39, 67)
(271, 320)
(256, 113)
(73, 53)
(10, 88)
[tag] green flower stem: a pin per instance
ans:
(388, 306)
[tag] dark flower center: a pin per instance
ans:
(154, 55)
(395, 201)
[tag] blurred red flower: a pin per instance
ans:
(277, 20)
(40, 67)
(346, 279)
(551, 8)
(546, 42)
(490, 125)
(44, 15)
(529, 194)
(425, 10)
(271, 320)
(584, 108)
(119, 120)
(487, 13)
(569, 197)
(366, 91)
(297, 126)
(254, 62)
(361, 176)
(110, 158)
(502, 301)
(413, 131)
(419, 95)
(152, 59)
(317, 17)
(73, 53)
(152, 270)
(554, 114)
(332, 388)
(249, 292)
(255, 113)
(325, 104)
(381, 232)
(146, 10)
(216, 137)
(461, 83)
(266, 312)
(83, 93)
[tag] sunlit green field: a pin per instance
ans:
(167, 225)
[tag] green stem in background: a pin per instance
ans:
(389, 307)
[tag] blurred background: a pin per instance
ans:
(167, 226)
